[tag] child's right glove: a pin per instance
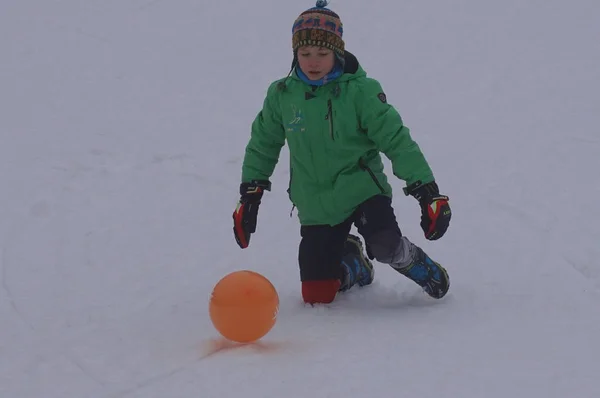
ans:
(246, 211)
(435, 209)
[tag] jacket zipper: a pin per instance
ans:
(366, 168)
(289, 190)
(330, 118)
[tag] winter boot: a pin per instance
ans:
(425, 272)
(357, 267)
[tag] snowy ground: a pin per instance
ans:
(122, 129)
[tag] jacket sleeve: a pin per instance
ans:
(385, 128)
(266, 140)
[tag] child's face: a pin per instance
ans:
(315, 62)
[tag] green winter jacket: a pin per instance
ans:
(335, 134)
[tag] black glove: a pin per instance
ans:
(246, 212)
(435, 210)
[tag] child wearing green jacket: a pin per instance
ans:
(336, 122)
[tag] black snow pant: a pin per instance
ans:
(322, 246)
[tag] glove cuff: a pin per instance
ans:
(252, 191)
(422, 192)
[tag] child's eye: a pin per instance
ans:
(304, 55)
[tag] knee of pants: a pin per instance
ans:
(389, 247)
(320, 292)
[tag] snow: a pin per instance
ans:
(122, 130)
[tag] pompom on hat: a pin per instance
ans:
(319, 26)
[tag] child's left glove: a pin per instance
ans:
(435, 209)
(246, 211)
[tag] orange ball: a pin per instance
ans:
(243, 306)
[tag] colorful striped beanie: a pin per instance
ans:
(318, 26)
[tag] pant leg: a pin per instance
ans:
(376, 222)
(320, 260)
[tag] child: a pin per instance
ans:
(337, 121)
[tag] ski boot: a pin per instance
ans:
(357, 267)
(425, 272)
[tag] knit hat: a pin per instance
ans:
(319, 26)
